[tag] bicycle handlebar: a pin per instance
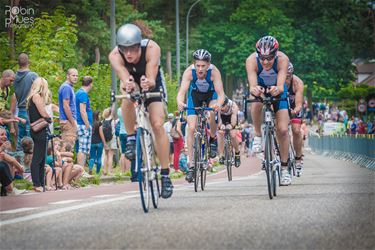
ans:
(139, 95)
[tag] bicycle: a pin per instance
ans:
(201, 147)
(146, 167)
(228, 153)
(271, 150)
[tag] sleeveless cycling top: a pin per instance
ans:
(139, 69)
(292, 95)
(267, 77)
(203, 86)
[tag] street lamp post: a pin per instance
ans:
(187, 32)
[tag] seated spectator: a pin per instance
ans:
(53, 166)
(8, 166)
(76, 170)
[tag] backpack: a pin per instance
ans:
(173, 132)
(107, 130)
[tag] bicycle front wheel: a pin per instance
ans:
(142, 170)
(197, 162)
(268, 162)
(155, 188)
(228, 160)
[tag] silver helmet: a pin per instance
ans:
(202, 54)
(128, 35)
(290, 68)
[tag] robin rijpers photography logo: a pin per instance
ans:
(18, 17)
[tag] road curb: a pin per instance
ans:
(361, 160)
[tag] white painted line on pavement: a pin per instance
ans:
(62, 210)
(63, 202)
(104, 196)
(18, 210)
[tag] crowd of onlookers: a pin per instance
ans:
(323, 112)
(52, 144)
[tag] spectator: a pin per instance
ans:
(51, 108)
(97, 143)
(183, 165)
(22, 85)
(168, 126)
(110, 142)
(361, 127)
(6, 81)
(67, 106)
(76, 169)
(52, 165)
(36, 102)
(124, 162)
(84, 120)
(8, 165)
(178, 140)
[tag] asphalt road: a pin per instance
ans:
(332, 206)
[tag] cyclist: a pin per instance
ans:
(268, 67)
(295, 94)
(137, 64)
(202, 81)
(228, 120)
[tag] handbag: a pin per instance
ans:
(38, 125)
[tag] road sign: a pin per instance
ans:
(362, 108)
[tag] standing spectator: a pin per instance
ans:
(370, 127)
(84, 120)
(67, 106)
(110, 143)
(168, 126)
(6, 81)
(96, 149)
(22, 85)
(178, 140)
(36, 102)
(124, 162)
(361, 127)
(51, 108)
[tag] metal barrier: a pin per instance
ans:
(359, 149)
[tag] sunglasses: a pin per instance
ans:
(131, 49)
(268, 58)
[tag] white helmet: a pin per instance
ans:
(128, 35)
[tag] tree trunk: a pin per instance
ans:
(97, 55)
(169, 64)
(11, 34)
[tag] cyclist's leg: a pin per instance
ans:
(128, 113)
(256, 114)
(213, 128)
(282, 121)
(236, 147)
(192, 123)
(220, 144)
(157, 116)
(297, 137)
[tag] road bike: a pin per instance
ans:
(147, 167)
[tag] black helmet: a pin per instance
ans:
(202, 54)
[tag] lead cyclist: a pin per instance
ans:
(137, 64)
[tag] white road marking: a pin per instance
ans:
(18, 210)
(63, 202)
(62, 210)
(104, 196)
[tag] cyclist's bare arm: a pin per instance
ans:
(233, 119)
(298, 88)
(252, 77)
(185, 84)
(118, 65)
(152, 62)
(218, 85)
(282, 68)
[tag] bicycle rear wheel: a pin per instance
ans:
(197, 162)
(268, 162)
(142, 170)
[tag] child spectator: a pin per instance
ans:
(183, 161)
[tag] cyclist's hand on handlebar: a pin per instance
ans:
(274, 91)
(229, 126)
(257, 90)
(222, 127)
(181, 106)
(146, 84)
(130, 84)
(216, 107)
